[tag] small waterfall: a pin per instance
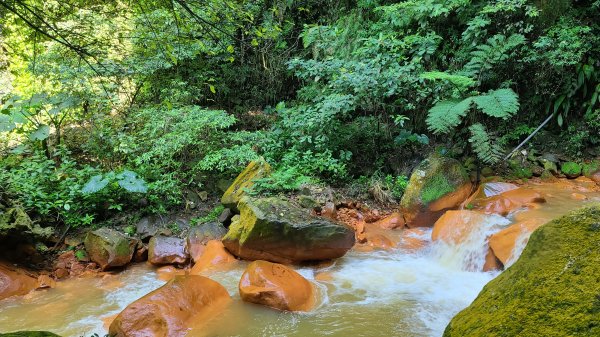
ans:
(469, 254)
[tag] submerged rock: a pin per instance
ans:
(255, 170)
(275, 230)
(503, 243)
(167, 250)
(109, 248)
(276, 286)
(15, 282)
(436, 185)
(551, 290)
(170, 310)
(508, 201)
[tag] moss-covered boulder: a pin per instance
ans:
(436, 185)
(273, 229)
(255, 170)
(571, 169)
(14, 222)
(109, 248)
(553, 289)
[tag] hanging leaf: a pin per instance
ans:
(560, 120)
(41, 133)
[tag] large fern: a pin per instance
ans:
(484, 145)
(446, 115)
(495, 50)
(501, 103)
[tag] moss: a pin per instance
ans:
(255, 170)
(435, 188)
(552, 290)
(14, 221)
(587, 169)
(432, 179)
(571, 168)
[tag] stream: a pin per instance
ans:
(378, 293)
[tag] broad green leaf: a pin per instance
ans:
(95, 184)
(42, 132)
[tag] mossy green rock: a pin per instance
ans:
(109, 248)
(29, 334)
(15, 222)
(273, 229)
(436, 185)
(255, 170)
(571, 169)
(552, 290)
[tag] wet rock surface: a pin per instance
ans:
(436, 185)
(171, 309)
(276, 286)
(167, 250)
(109, 248)
(551, 290)
(255, 170)
(275, 230)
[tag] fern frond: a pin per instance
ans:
(460, 81)
(501, 103)
(496, 49)
(446, 115)
(486, 148)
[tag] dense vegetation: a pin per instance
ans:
(110, 106)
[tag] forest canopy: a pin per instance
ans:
(109, 106)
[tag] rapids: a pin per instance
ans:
(379, 293)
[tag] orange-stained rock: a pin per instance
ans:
(171, 309)
(167, 273)
(379, 241)
(324, 276)
(509, 201)
(276, 286)
(329, 211)
(578, 196)
(491, 261)
(455, 226)
(427, 216)
(596, 177)
(392, 221)
(44, 282)
(14, 281)
(503, 243)
(489, 189)
(214, 255)
(412, 239)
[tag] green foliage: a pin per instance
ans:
(570, 168)
(127, 180)
(213, 215)
(487, 150)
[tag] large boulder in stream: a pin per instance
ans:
(551, 290)
(255, 170)
(436, 185)
(109, 248)
(182, 303)
(276, 286)
(273, 229)
(199, 236)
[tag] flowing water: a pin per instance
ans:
(380, 293)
